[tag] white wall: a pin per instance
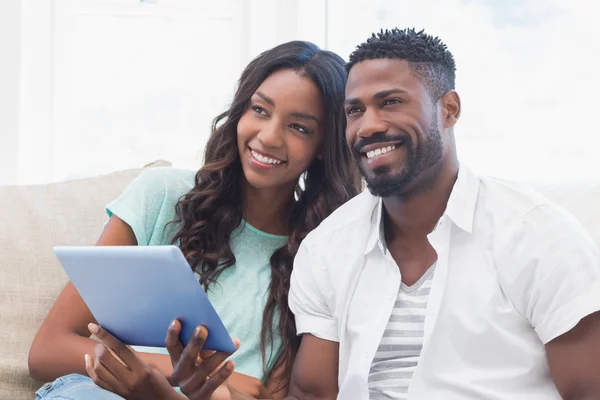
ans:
(10, 63)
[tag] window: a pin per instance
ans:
(112, 84)
(138, 81)
(526, 73)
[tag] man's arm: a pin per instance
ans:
(315, 372)
(574, 359)
(550, 269)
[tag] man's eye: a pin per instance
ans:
(392, 101)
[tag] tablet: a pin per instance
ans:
(134, 292)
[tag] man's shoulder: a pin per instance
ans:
(504, 200)
(517, 210)
(352, 217)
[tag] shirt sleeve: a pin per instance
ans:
(550, 268)
(306, 301)
(140, 204)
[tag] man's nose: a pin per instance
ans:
(371, 123)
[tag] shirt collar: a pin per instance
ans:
(460, 208)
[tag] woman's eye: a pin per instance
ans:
(259, 110)
(352, 110)
(300, 128)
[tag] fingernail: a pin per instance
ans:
(173, 323)
(229, 366)
(199, 331)
(87, 360)
(93, 328)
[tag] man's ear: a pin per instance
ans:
(450, 103)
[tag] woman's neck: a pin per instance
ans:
(268, 210)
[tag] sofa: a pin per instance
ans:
(36, 218)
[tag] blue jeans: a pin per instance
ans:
(74, 387)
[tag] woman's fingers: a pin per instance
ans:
(121, 351)
(207, 370)
(93, 376)
(100, 375)
(173, 343)
(186, 365)
(206, 390)
(207, 353)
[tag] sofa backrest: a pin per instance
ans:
(34, 219)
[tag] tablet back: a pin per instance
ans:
(135, 292)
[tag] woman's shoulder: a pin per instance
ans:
(149, 202)
(163, 182)
(168, 177)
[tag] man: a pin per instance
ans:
(435, 284)
(438, 284)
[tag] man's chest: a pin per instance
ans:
(472, 335)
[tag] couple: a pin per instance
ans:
(433, 284)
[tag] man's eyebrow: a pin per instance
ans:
(351, 101)
(379, 95)
(266, 98)
(306, 116)
(386, 93)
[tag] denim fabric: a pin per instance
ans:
(74, 387)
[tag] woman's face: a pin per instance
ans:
(281, 131)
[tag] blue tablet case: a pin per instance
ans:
(134, 292)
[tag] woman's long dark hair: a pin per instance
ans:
(211, 211)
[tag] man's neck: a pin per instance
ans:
(410, 218)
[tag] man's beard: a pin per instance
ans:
(383, 183)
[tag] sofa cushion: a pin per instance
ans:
(34, 219)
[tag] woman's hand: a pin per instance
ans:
(118, 369)
(199, 374)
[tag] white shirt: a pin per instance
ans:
(514, 271)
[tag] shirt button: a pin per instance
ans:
(47, 386)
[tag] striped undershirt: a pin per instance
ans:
(398, 354)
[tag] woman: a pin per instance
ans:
(275, 166)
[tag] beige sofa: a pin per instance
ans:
(33, 220)
(36, 218)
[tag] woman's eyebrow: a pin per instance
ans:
(266, 98)
(300, 115)
(306, 117)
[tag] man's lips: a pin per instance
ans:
(380, 145)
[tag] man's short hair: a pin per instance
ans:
(428, 57)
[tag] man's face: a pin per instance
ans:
(393, 126)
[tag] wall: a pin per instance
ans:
(10, 62)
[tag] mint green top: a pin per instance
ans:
(239, 295)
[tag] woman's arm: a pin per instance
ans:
(253, 387)
(277, 385)
(63, 338)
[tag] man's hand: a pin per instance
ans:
(116, 368)
(198, 373)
